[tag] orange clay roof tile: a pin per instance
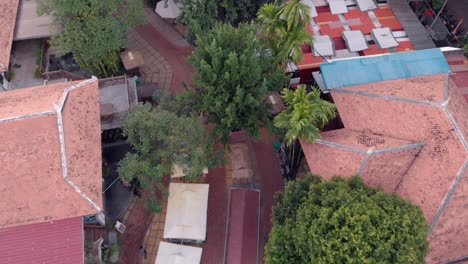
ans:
(8, 9)
(51, 162)
(427, 111)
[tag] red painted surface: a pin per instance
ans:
(242, 238)
(268, 172)
(54, 242)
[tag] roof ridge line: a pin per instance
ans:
(58, 109)
(447, 197)
(454, 124)
(369, 154)
(14, 118)
(337, 145)
(402, 147)
(387, 97)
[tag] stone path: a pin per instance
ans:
(156, 69)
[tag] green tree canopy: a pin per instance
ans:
(160, 139)
(305, 114)
(284, 28)
(93, 30)
(202, 15)
(232, 79)
(343, 221)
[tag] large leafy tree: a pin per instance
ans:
(232, 79)
(344, 221)
(305, 114)
(284, 28)
(94, 31)
(202, 15)
(161, 139)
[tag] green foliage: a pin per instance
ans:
(37, 73)
(9, 74)
(94, 31)
(343, 221)
(232, 79)
(161, 139)
(437, 4)
(202, 15)
(305, 114)
(284, 28)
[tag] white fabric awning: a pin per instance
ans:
(355, 40)
(338, 6)
(169, 253)
(383, 38)
(187, 208)
(323, 46)
(366, 5)
(172, 10)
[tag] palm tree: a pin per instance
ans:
(295, 12)
(284, 28)
(304, 116)
(269, 17)
(293, 41)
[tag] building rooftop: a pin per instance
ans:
(29, 24)
(51, 153)
(408, 136)
(54, 242)
(9, 8)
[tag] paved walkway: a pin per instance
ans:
(137, 220)
(156, 69)
(168, 42)
(159, 38)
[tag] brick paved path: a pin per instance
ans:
(166, 45)
(156, 69)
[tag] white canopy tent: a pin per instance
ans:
(338, 6)
(323, 46)
(355, 40)
(383, 37)
(171, 10)
(186, 212)
(169, 253)
(366, 5)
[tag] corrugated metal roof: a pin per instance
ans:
(54, 242)
(362, 70)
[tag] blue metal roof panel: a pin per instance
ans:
(362, 70)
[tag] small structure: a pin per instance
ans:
(132, 59)
(117, 96)
(277, 105)
(243, 227)
(186, 212)
(169, 253)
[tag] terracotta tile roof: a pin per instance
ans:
(427, 117)
(8, 8)
(51, 159)
(55, 242)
